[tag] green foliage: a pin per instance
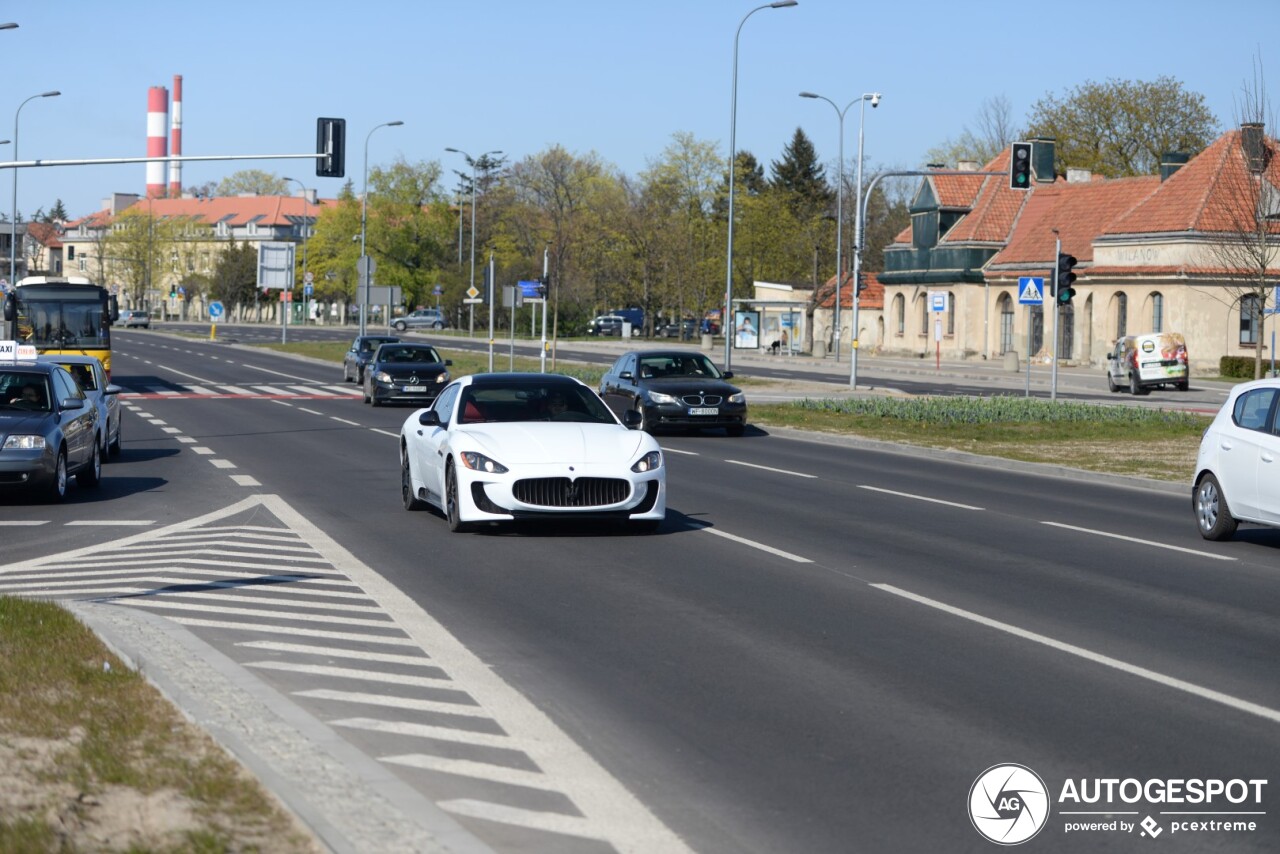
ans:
(802, 180)
(1122, 127)
(235, 275)
(1237, 367)
(996, 410)
(253, 181)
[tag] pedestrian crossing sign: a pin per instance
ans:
(1030, 290)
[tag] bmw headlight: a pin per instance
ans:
(479, 462)
(24, 443)
(383, 377)
(659, 397)
(648, 462)
(738, 398)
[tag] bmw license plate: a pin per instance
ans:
(704, 410)
(414, 389)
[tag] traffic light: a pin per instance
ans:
(1064, 278)
(1020, 166)
(862, 281)
(173, 292)
(331, 137)
(544, 286)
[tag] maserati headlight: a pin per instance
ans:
(479, 462)
(648, 462)
(659, 397)
(24, 443)
(382, 377)
(738, 398)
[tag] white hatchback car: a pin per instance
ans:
(1237, 476)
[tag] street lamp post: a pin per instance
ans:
(874, 98)
(733, 167)
(835, 318)
(306, 231)
(364, 207)
(13, 223)
(471, 160)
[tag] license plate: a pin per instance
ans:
(414, 389)
(704, 410)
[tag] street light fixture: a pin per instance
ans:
(13, 223)
(835, 318)
(874, 98)
(733, 167)
(471, 160)
(306, 231)
(364, 205)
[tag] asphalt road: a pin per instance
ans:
(821, 650)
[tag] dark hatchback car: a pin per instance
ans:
(49, 431)
(405, 373)
(359, 355)
(679, 389)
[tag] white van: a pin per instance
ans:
(1143, 362)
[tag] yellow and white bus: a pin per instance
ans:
(62, 315)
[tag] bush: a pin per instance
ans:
(1236, 367)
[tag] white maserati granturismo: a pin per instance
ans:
(502, 447)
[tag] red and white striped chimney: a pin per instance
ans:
(157, 119)
(175, 147)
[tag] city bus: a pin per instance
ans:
(62, 315)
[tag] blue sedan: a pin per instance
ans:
(49, 431)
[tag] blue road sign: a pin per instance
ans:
(215, 311)
(1030, 290)
(308, 290)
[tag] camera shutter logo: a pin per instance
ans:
(1008, 804)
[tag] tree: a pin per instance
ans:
(1241, 211)
(995, 130)
(799, 175)
(58, 213)
(235, 276)
(1122, 127)
(253, 181)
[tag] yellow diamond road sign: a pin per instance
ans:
(472, 292)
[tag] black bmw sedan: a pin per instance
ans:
(679, 389)
(405, 373)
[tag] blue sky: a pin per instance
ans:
(611, 77)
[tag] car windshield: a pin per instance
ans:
(368, 345)
(20, 390)
(532, 402)
(396, 353)
(677, 365)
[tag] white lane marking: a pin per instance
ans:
(158, 422)
(678, 451)
(245, 480)
(772, 469)
(272, 628)
(1095, 532)
(201, 380)
(270, 389)
(390, 702)
(919, 497)
(309, 411)
(566, 825)
(477, 770)
(293, 377)
(235, 389)
(283, 403)
(439, 733)
(199, 389)
(752, 543)
(354, 673)
(1272, 715)
(112, 522)
(162, 601)
(313, 391)
(384, 432)
(422, 660)
(223, 464)
(186, 440)
(9, 523)
(344, 421)
(203, 451)
(171, 430)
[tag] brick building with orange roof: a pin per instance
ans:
(1149, 249)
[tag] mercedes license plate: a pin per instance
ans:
(704, 410)
(414, 389)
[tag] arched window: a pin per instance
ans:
(1122, 315)
(1157, 312)
(1006, 324)
(900, 313)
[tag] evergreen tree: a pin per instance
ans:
(58, 213)
(801, 178)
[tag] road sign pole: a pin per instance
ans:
(1057, 310)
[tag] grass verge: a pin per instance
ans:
(93, 758)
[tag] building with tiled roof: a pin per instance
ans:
(1150, 254)
(206, 226)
